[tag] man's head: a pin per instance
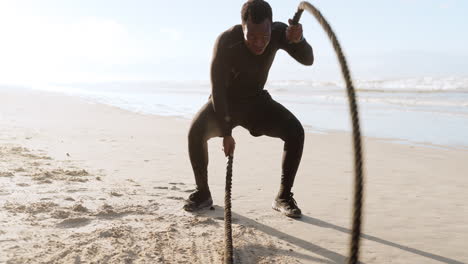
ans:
(256, 24)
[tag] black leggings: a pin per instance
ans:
(260, 116)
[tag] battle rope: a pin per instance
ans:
(358, 162)
(228, 252)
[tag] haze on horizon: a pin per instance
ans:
(93, 41)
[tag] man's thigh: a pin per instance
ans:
(205, 125)
(270, 118)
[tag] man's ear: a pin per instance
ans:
(244, 30)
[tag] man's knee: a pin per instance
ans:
(300, 134)
(202, 131)
(194, 133)
(295, 133)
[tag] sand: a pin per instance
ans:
(88, 183)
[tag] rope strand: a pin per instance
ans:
(358, 162)
(228, 252)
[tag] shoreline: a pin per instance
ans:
(415, 196)
(308, 128)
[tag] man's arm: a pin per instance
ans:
(301, 51)
(219, 77)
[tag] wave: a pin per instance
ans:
(458, 84)
(417, 85)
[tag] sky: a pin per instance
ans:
(97, 41)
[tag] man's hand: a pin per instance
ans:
(294, 32)
(229, 145)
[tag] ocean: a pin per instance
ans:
(429, 111)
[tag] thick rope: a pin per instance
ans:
(358, 162)
(228, 252)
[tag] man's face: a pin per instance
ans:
(257, 36)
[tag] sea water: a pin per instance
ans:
(414, 110)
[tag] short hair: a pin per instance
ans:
(257, 10)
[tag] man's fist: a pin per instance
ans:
(229, 145)
(294, 32)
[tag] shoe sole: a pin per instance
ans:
(204, 205)
(284, 212)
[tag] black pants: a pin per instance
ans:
(260, 115)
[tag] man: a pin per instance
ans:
(242, 58)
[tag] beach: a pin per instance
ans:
(82, 181)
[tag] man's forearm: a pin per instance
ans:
(222, 114)
(302, 52)
(219, 99)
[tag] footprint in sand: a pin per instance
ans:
(76, 190)
(80, 208)
(116, 194)
(175, 198)
(203, 221)
(115, 232)
(161, 188)
(177, 183)
(6, 174)
(60, 214)
(18, 150)
(32, 208)
(33, 156)
(74, 222)
(109, 212)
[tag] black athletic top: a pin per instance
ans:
(237, 74)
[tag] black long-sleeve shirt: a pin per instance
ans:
(237, 74)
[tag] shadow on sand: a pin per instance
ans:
(332, 256)
(320, 223)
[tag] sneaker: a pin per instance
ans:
(287, 206)
(198, 200)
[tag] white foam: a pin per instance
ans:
(421, 84)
